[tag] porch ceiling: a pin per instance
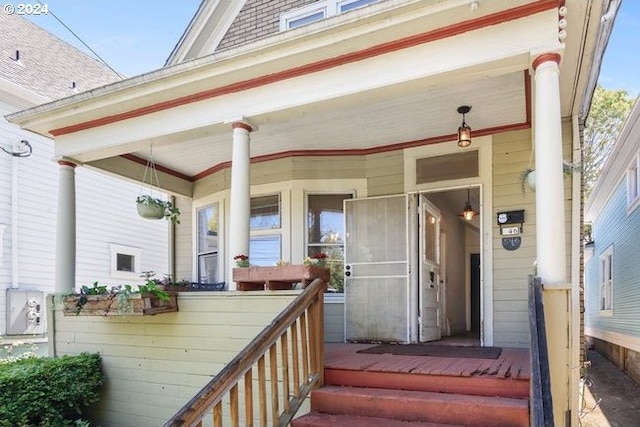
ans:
(359, 122)
(360, 85)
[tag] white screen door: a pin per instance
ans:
(429, 247)
(376, 269)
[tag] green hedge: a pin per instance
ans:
(48, 392)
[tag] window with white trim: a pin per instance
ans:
(325, 233)
(633, 183)
(318, 11)
(606, 280)
(126, 262)
(208, 243)
(265, 224)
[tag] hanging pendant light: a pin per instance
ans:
(468, 213)
(464, 131)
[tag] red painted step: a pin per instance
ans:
(422, 406)
(479, 386)
(317, 419)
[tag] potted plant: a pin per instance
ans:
(153, 208)
(241, 260)
(282, 276)
(528, 179)
(98, 300)
(528, 176)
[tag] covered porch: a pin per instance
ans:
(355, 108)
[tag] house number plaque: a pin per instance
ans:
(511, 243)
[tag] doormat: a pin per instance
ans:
(435, 351)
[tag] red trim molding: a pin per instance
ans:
(160, 168)
(362, 151)
(381, 49)
(554, 57)
(67, 163)
(359, 152)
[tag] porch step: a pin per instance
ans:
(473, 385)
(318, 419)
(422, 406)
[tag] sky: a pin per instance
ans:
(137, 36)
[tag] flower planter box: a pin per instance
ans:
(281, 277)
(115, 305)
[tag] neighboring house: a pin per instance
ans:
(288, 128)
(612, 271)
(114, 245)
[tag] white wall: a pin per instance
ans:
(105, 214)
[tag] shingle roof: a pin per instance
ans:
(48, 66)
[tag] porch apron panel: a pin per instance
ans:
(376, 269)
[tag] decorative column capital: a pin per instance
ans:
(63, 161)
(546, 57)
(241, 122)
(242, 125)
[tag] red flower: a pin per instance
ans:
(241, 257)
(320, 255)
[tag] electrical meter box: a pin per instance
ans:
(25, 312)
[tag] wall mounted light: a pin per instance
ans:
(464, 131)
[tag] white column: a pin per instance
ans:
(66, 229)
(550, 218)
(240, 196)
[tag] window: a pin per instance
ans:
(208, 223)
(125, 262)
(606, 281)
(265, 243)
(318, 11)
(325, 233)
(633, 184)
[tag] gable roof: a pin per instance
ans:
(47, 66)
(206, 29)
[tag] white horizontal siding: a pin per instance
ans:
(105, 214)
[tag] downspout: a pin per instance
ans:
(14, 223)
(576, 269)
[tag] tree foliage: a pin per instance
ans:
(609, 110)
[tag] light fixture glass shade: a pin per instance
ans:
(464, 135)
(468, 213)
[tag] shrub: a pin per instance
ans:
(48, 392)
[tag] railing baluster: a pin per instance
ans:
(319, 333)
(273, 365)
(233, 406)
(294, 357)
(262, 392)
(305, 343)
(217, 415)
(304, 318)
(313, 352)
(284, 349)
(248, 398)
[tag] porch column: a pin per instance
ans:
(550, 221)
(551, 249)
(66, 229)
(240, 195)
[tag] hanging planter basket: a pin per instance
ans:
(150, 211)
(149, 206)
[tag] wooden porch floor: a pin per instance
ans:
(512, 363)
